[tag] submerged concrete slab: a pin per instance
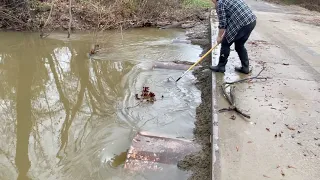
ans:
(154, 152)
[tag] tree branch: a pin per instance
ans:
(231, 97)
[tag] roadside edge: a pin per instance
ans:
(214, 139)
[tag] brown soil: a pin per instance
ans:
(200, 163)
(94, 15)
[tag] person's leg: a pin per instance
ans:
(223, 59)
(241, 50)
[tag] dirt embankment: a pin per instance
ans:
(98, 15)
(200, 163)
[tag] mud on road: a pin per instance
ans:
(200, 163)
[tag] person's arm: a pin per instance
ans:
(222, 19)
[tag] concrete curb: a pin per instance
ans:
(215, 128)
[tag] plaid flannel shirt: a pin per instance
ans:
(233, 15)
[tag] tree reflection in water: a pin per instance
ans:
(50, 94)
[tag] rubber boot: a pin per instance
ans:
(218, 68)
(221, 66)
(244, 70)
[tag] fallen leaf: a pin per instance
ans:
(266, 176)
(268, 129)
(291, 128)
(282, 173)
(291, 167)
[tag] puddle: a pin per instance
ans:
(65, 116)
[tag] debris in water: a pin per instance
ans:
(268, 129)
(146, 95)
(282, 173)
(137, 97)
(94, 49)
(118, 160)
(233, 117)
(291, 167)
(266, 176)
(286, 64)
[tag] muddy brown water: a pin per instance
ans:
(67, 116)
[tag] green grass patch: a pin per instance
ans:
(198, 3)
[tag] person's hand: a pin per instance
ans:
(219, 39)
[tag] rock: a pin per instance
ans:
(187, 25)
(203, 16)
(201, 42)
(43, 7)
(173, 25)
(161, 24)
(64, 17)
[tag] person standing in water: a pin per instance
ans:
(236, 22)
